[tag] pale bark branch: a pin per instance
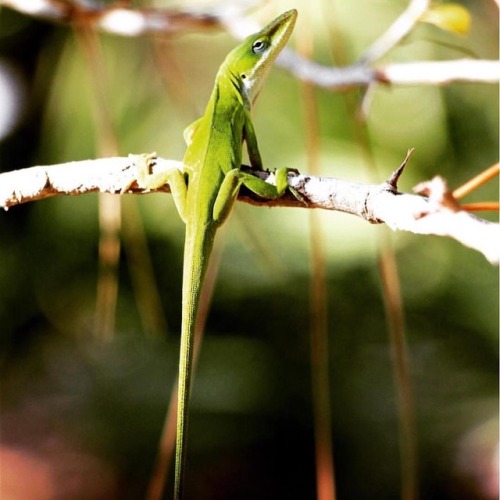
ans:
(441, 72)
(375, 203)
(123, 21)
(116, 19)
(410, 73)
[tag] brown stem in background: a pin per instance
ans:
(320, 371)
(109, 206)
(387, 260)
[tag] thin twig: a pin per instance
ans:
(481, 206)
(123, 21)
(477, 181)
(396, 32)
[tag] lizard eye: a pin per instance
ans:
(259, 46)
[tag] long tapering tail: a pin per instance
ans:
(197, 250)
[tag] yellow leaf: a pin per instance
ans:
(450, 17)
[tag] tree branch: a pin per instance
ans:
(116, 18)
(437, 214)
(123, 21)
(441, 72)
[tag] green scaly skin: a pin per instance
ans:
(212, 163)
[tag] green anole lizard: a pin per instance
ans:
(212, 165)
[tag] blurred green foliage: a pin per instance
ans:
(251, 430)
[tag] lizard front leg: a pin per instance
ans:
(148, 178)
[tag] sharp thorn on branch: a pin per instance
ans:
(392, 182)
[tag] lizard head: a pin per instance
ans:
(250, 61)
